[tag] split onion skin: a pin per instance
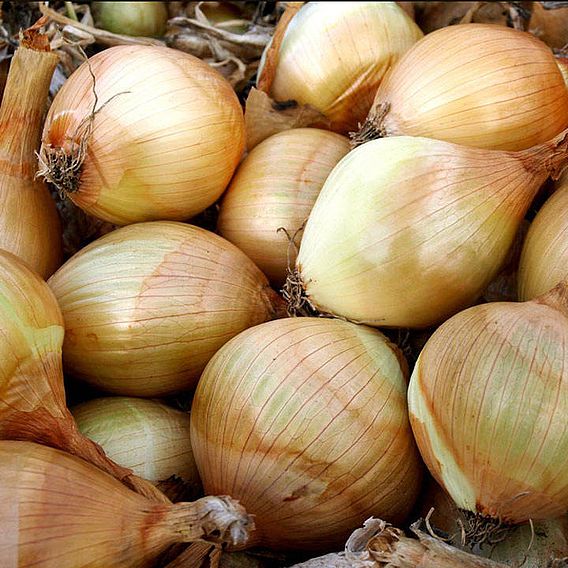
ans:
(146, 306)
(304, 421)
(275, 187)
(480, 85)
(167, 135)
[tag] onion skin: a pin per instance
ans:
(167, 135)
(276, 186)
(283, 420)
(148, 305)
(318, 64)
(488, 405)
(479, 85)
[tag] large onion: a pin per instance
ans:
(304, 421)
(146, 306)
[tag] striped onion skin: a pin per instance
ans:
(166, 138)
(276, 186)
(480, 85)
(488, 401)
(146, 306)
(544, 258)
(304, 421)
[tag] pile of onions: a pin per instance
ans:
(488, 405)
(59, 512)
(275, 188)
(160, 140)
(407, 231)
(149, 437)
(147, 306)
(480, 85)
(333, 56)
(544, 259)
(304, 421)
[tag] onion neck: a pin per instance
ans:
(549, 158)
(556, 298)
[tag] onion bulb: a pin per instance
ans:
(333, 55)
(56, 511)
(406, 231)
(562, 63)
(147, 306)
(304, 421)
(161, 139)
(488, 405)
(275, 187)
(132, 18)
(149, 437)
(544, 258)
(480, 85)
(29, 223)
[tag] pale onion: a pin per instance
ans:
(131, 18)
(276, 187)
(480, 85)
(32, 396)
(334, 55)
(407, 231)
(57, 511)
(146, 436)
(148, 305)
(161, 142)
(544, 258)
(304, 421)
(29, 223)
(488, 401)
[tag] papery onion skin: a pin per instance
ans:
(488, 400)
(147, 306)
(147, 436)
(304, 421)
(275, 187)
(479, 85)
(167, 135)
(334, 55)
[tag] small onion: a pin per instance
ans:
(161, 140)
(480, 85)
(304, 421)
(148, 437)
(334, 55)
(406, 231)
(147, 306)
(57, 511)
(488, 401)
(276, 187)
(131, 18)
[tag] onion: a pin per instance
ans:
(480, 85)
(59, 512)
(304, 421)
(275, 187)
(544, 258)
(148, 305)
(160, 141)
(407, 231)
(488, 407)
(319, 62)
(132, 18)
(149, 437)
(549, 25)
(562, 63)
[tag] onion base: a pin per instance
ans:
(62, 168)
(297, 300)
(479, 530)
(372, 128)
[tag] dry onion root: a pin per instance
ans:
(57, 511)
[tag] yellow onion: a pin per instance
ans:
(333, 55)
(161, 139)
(304, 421)
(488, 405)
(29, 223)
(56, 511)
(149, 437)
(406, 231)
(544, 257)
(147, 306)
(550, 26)
(275, 187)
(131, 18)
(480, 85)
